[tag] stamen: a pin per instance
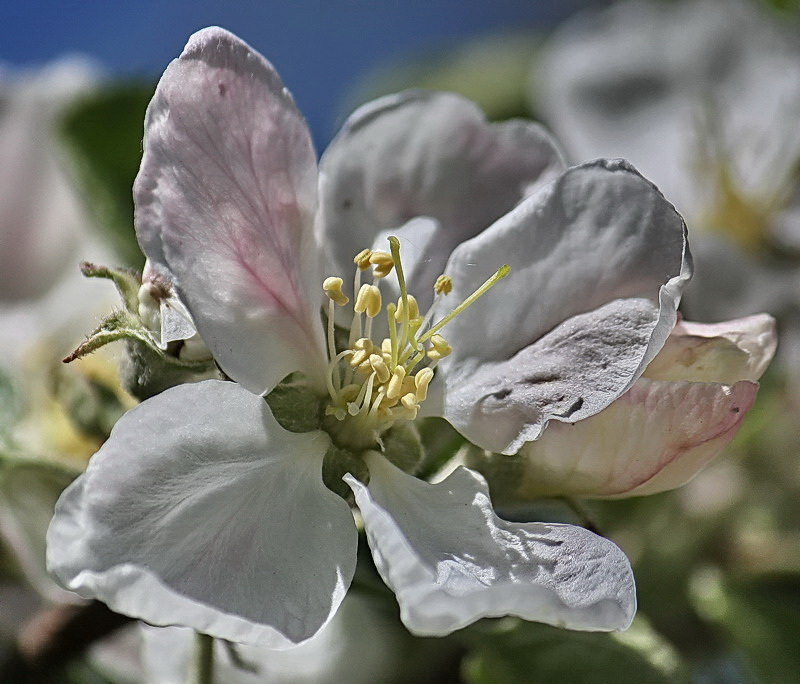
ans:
(333, 289)
(421, 381)
(409, 402)
(379, 366)
(441, 348)
(362, 259)
(337, 380)
(412, 308)
(396, 382)
(443, 285)
(383, 263)
(368, 300)
(501, 273)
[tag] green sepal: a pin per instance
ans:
(126, 280)
(440, 442)
(120, 325)
(503, 473)
(402, 446)
(295, 405)
(336, 464)
(147, 370)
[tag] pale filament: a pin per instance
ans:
(383, 381)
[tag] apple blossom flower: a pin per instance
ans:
(44, 224)
(548, 291)
(703, 97)
(687, 406)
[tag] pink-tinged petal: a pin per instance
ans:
(423, 153)
(450, 560)
(598, 263)
(201, 511)
(717, 352)
(655, 437)
(225, 203)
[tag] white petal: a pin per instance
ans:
(422, 153)
(717, 352)
(225, 203)
(598, 262)
(656, 437)
(201, 511)
(450, 560)
(363, 644)
(176, 322)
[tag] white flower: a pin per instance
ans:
(704, 98)
(44, 226)
(687, 406)
(201, 510)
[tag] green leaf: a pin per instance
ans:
(529, 652)
(103, 132)
(761, 617)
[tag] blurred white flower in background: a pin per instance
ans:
(704, 98)
(45, 229)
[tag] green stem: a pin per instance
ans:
(203, 671)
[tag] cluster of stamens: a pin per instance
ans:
(379, 383)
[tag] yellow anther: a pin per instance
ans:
(421, 381)
(364, 343)
(333, 288)
(349, 392)
(440, 348)
(413, 309)
(409, 402)
(358, 358)
(386, 346)
(383, 263)
(443, 285)
(362, 259)
(396, 383)
(337, 411)
(379, 366)
(368, 300)
(408, 385)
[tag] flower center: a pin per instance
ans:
(374, 383)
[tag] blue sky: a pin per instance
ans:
(320, 47)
